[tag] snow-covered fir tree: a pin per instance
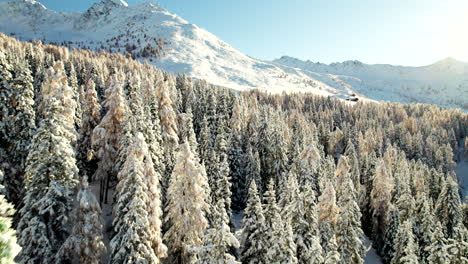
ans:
(91, 109)
(281, 246)
(381, 196)
(186, 207)
(448, 206)
(221, 186)
(106, 136)
(457, 246)
(252, 167)
(17, 123)
(253, 238)
(168, 120)
(424, 225)
(306, 233)
(218, 240)
(85, 243)
(348, 228)
(406, 246)
(387, 250)
(437, 250)
(51, 173)
(333, 256)
(306, 167)
(136, 218)
(8, 246)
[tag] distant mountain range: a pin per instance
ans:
(113, 25)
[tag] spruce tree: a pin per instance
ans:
(168, 121)
(186, 207)
(457, 246)
(17, 124)
(387, 250)
(252, 167)
(381, 196)
(437, 250)
(221, 178)
(253, 236)
(91, 109)
(281, 246)
(306, 167)
(306, 231)
(218, 240)
(134, 239)
(348, 232)
(85, 242)
(106, 136)
(448, 207)
(333, 256)
(8, 247)
(406, 247)
(51, 173)
(424, 225)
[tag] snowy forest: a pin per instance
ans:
(105, 159)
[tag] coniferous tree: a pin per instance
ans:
(306, 167)
(281, 247)
(252, 167)
(137, 217)
(333, 256)
(307, 237)
(17, 124)
(437, 250)
(8, 247)
(406, 247)
(106, 136)
(85, 242)
(254, 238)
(51, 173)
(381, 196)
(355, 173)
(186, 207)
(387, 250)
(221, 178)
(349, 233)
(204, 140)
(170, 139)
(90, 119)
(328, 215)
(457, 246)
(448, 207)
(218, 240)
(424, 225)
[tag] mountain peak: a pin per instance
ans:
(115, 3)
(32, 2)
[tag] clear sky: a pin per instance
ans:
(403, 32)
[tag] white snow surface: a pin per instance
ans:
(371, 256)
(200, 54)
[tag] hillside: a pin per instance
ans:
(141, 30)
(444, 83)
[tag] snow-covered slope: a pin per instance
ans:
(444, 83)
(113, 25)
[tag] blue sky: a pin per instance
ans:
(415, 32)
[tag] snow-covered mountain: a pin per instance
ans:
(113, 25)
(444, 82)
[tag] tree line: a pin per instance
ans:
(178, 159)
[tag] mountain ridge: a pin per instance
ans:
(140, 30)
